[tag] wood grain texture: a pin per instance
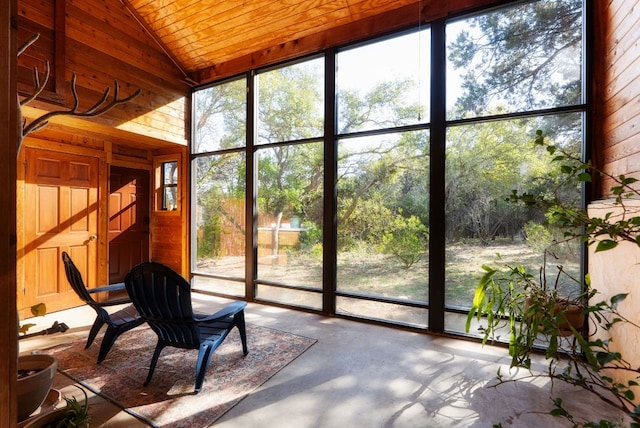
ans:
(8, 289)
(103, 42)
(617, 74)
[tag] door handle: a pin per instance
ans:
(93, 237)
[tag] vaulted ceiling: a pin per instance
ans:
(199, 34)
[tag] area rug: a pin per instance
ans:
(169, 399)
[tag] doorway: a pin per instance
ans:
(128, 220)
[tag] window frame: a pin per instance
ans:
(437, 128)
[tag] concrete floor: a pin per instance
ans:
(362, 375)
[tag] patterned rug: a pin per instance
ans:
(169, 400)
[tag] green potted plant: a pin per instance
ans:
(530, 311)
(73, 415)
(510, 301)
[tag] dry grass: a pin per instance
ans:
(364, 271)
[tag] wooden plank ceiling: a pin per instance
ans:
(199, 34)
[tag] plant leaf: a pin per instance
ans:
(606, 244)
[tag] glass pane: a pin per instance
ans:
(484, 163)
(220, 116)
(383, 215)
(291, 102)
(290, 214)
(287, 296)
(170, 172)
(220, 214)
(518, 58)
(414, 317)
(218, 285)
(384, 84)
(170, 198)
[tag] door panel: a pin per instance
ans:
(61, 214)
(128, 220)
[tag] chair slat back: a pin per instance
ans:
(75, 279)
(163, 299)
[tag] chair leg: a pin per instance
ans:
(154, 361)
(107, 342)
(95, 328)
(239, 322)
(204, 357)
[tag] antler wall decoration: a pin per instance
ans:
(100, 107)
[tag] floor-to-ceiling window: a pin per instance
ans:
(510, 72)
(218, 183)
(290, 182)
(372, 180)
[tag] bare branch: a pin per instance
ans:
(38, 87)
(97, 109)
(28, 43)
(100, 107)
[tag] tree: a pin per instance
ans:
(290, 173)
(521, 57)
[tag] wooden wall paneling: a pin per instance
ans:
(95, 130)
(60, 29)
(617, 72)
(9, 138)
(620, 128)
(618, 12)
(41, 12)
(96, 32)
(124, 23)
(36, 56)
(128, 162)
(104, 68)
(100, 50)
(621, 150)
(623, 73)
(169, 229)
(166, 240)
(63, 146)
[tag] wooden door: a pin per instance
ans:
(128, 220)
(60, 214)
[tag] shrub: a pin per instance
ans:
(406, 239)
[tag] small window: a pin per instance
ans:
(169, 188)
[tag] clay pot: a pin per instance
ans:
(33, 389)
(47, 419)
(573, 315)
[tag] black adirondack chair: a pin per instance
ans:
(163, 299)
(117, 322)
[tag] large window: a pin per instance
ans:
(510, 72)
(371, 180)
(290, 184)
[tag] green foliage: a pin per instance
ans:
(76, 415)
(539, 237)
(519, 55)
(526, 306)
(406, 239)
(605, 231)
(209, 241)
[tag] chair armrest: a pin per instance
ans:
(229, 310)
(111, 287)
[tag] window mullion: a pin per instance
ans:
(330, 186)
(437, 177)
